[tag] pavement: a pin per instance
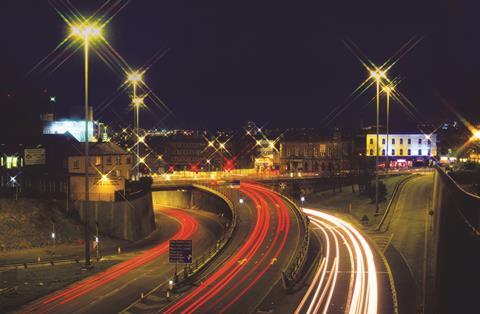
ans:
(250, 266)
(116, 288)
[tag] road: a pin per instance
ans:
(267, 234)
(345, 279)
(410, 231)
(120, 285)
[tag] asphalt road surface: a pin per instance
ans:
(350, 276)
(120, 285)
(410, 230)
(266, 236)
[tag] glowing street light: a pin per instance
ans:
(86, 32)
(302, 199)
(388, 90)
(475, 135)
(377, 75)
(134, 78)
(240, 200)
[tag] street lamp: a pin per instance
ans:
(240, 200)
(134, 78)
(388, 90)
(302, 199)
(86, 32)
(378, 75)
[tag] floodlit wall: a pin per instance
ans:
(191, 198)
(130, 220)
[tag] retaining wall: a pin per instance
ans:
(456, 247)
(192, 198)
(129, 220)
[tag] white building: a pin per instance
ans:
(402, 145)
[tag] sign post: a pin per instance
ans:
(180, 252)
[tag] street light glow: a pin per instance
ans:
(378, 74)
(476, 135)
(86, 31)
(135, 77)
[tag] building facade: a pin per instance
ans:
(319, 156)
(109, 167)
(404, 149)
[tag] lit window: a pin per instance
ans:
(98, 160)
(12, 162)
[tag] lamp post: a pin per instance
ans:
(86, 32)
(377, 75)
(134, 78)
(388, 90)
(302, 199)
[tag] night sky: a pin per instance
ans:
(280, 63)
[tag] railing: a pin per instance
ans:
(200, 262)
(294, 268)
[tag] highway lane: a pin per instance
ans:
(345, 279)
(268, 233)
(117, 287)
(410, 229)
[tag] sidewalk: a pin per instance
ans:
(354, 203)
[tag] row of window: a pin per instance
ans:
(108, 161)
(409, 141)
(409, 152)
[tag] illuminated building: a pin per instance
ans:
(109, 167)
(403, 148)
(75, 127)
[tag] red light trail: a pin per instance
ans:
(237, 276)
(188, 226)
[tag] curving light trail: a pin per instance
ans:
(242, 272)
(362, 288)
(188, 226)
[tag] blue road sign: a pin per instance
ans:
(180, 252)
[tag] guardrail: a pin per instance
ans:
(200, 262)
(294, 268)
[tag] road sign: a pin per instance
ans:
(34, 156)
(180, 252)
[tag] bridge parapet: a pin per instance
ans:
(456, 237)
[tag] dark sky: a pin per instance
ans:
(276, 62)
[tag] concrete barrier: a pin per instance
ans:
(456, 255)
(130, 220)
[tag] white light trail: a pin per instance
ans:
(362, 296)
